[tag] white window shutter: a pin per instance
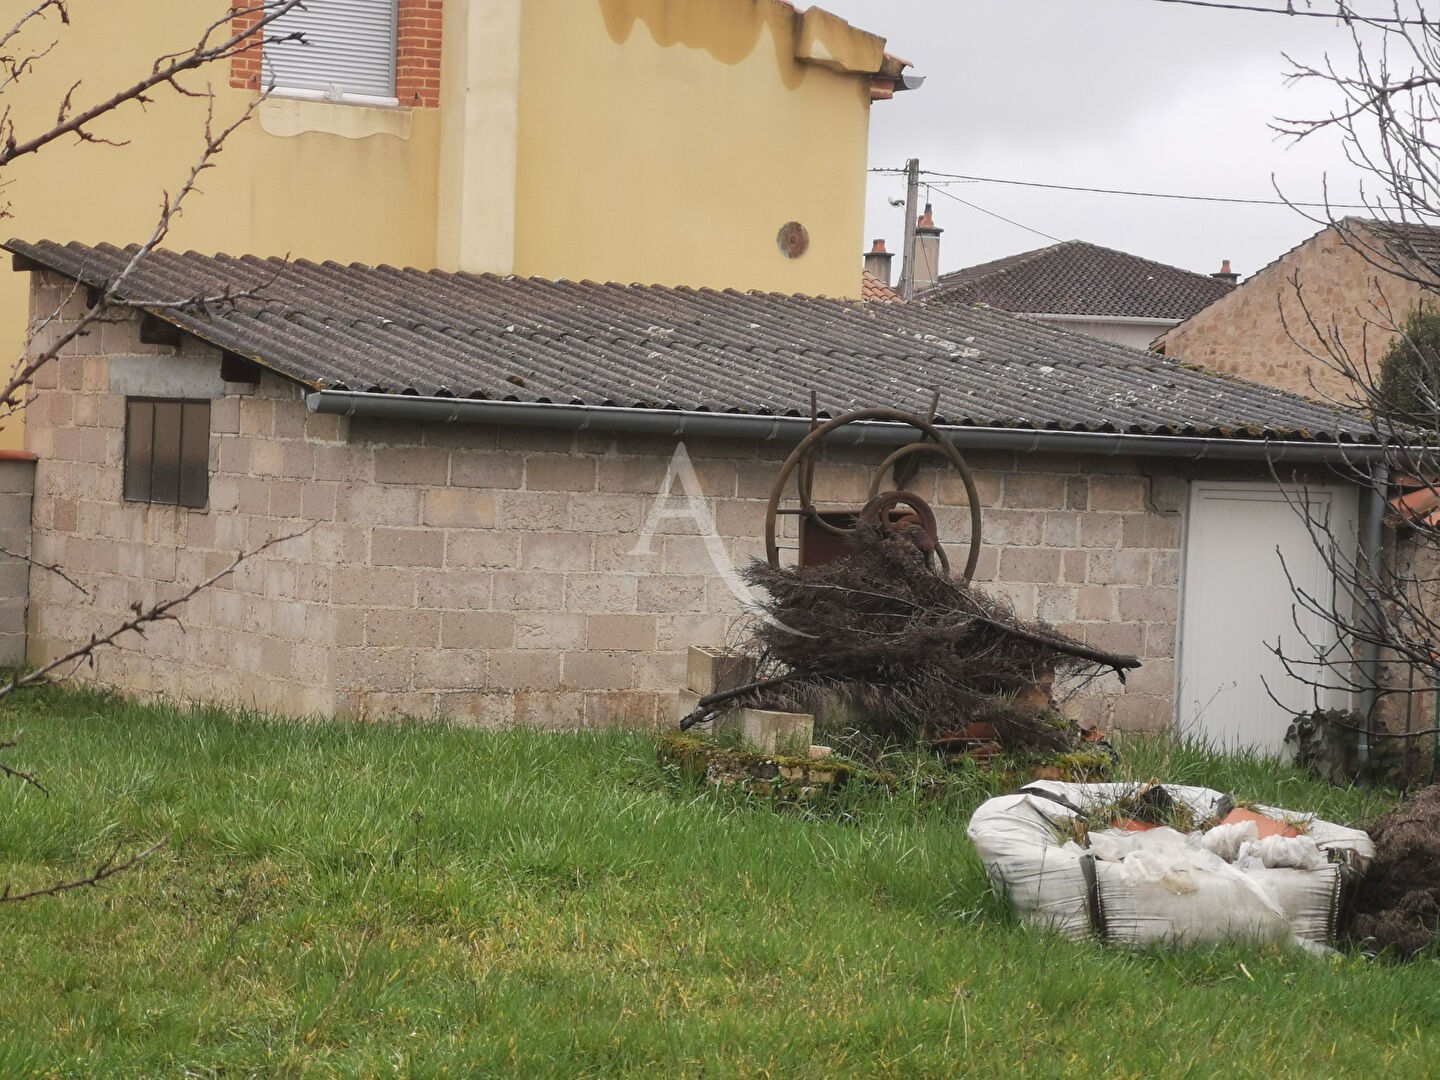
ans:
(349, 48)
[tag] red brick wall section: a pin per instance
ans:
(417, 59)
(245, 65)
(417, 53)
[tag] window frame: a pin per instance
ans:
(143, 470)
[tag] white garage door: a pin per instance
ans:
(1237, 602)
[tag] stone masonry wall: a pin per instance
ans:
(496, 574)
(1259, 331)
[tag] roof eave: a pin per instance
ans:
(677, 423)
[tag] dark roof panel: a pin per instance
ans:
(1076, 278)
(476, 335)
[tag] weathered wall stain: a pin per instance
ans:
(729, 30)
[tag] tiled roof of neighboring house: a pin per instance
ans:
(872, 288)
(1408, 240)
(525, 339)
(1076, 278)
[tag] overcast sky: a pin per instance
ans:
(1132, 94)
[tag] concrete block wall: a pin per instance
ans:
(502, 575)
(17, 485)
(257, 637)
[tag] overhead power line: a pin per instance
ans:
(1340, 14)
(1000, 217)
(941, 178)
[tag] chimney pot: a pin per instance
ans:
(877, 261)
(1225, 273)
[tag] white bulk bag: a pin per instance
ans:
(1162, 885)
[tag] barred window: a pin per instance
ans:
(167, 451)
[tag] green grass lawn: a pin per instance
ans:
(424, 901)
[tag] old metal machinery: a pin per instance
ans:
(898, 511)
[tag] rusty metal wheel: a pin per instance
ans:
(802, 458)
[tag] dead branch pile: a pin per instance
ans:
(883, 639)
(1395, 907)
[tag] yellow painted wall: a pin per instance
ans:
(313, 195)
(667, 143)
(658, 141)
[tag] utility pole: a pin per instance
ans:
(912, 196)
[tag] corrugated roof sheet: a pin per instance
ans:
(473, 335)
(1076, 278)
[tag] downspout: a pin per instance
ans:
(678, 423)
(1373, 552)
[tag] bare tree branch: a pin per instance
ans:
(165, 72)
(162, 611)
(107, 869)
(170, 208)
(20, 774)
(20, 54)
(49, 567)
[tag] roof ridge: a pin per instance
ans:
(1000, 265)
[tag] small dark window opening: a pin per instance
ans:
(167, 451)
(156, 331)
(240, 369)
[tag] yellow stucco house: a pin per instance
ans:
(700, 142)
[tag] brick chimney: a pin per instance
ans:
(1225, 274)
(877, 261)
(927, 252)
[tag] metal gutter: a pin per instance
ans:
(1101, 320)
(679, 422)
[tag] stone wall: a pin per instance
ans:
(500, 574)
(1260, 330)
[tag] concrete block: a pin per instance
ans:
(534, 670)
(407, 547)
(1025, 491)
(485, 710)
(533, 511)
(626, 709)
(621, 633)
(708, 669)
(616, 514)
(549, 630)
(477, 630)
(587, 670)
(670, 593)
(458, 508)
(290, 419)
(549, 710)
(559, 472)
(469, 468)
(769, 732)
(556, 551)
(469, 549)
(17, 476)
(686, 702)
(610, 593)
